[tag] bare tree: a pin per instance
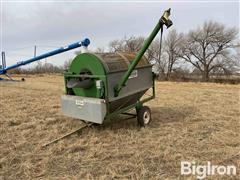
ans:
(209, 47)
(67, 64)
(171, 48)
(153, 56)
(133, 44)
(127, 44)
(116, 46)
(169, 57)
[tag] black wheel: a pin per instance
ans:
(144, 116)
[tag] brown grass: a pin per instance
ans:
(191, 121)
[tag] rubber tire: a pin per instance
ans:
(140, 116)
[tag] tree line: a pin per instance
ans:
(209, 51)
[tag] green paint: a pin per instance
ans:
(87, 62)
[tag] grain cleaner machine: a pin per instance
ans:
(100, 86)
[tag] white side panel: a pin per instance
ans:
(84, 108)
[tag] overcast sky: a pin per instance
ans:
(55, 24)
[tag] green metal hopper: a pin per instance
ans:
(100, 86)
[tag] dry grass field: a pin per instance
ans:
(191, 121)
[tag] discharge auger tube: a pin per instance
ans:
(163, 20)
(85, 43)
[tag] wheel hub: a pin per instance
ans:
(146, 117)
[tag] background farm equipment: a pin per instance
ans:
(4, 69)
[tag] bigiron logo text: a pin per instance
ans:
(202, 171)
